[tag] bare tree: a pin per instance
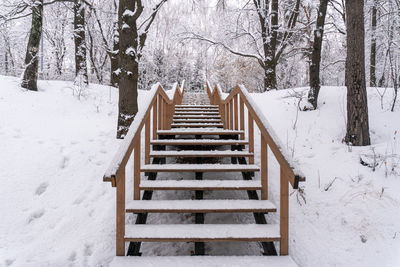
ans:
(357, 133)
(315, 83)
(372, 59)
(132, 39)
(81, 70)
(29, 80)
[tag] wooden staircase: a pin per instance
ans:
(216, 131)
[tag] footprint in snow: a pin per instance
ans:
(36, 215)
(72, 257)
(41, 188)
(88, 251)
(64, 162)
(8, 262)
(79, 200)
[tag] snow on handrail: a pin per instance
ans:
(135, 128)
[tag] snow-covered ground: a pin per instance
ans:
(56, 211)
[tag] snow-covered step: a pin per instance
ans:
(199, 168)
(205, 110)
(197, 120)
(195, 113)
(200, 153)
(196, 125)
(201, 232)
(196, 106)
(200, 185)
(202, 116)
(200, 142)
(199, 131)
(201, 261)
(200, 206)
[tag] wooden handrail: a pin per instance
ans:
(294, 174)
(162, 107)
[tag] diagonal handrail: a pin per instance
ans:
(156, 114)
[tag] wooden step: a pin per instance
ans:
(198, 131)
(209, 261)
(199, 154)
(199, 168)
(198, 142)
(201, 232)
(196, 106)
(200, 185)
(197, 109)
(197, 117)
(199, 206)
(196, 125)
(184, 113)
(197, 120)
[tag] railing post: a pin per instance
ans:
(155, 115)
(264, 168)
(284, 214)
(120, 212)
(231, 114)
(136, 169)
(147, 140)
(236, 107)
(159, 112)
(251, 137)
(241, 108)
(165, 114)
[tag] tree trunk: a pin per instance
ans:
(114, 57)
(129, 66)
(372, 59)
(29, 80)
(81, 70)
(357, 133)
(315, 83)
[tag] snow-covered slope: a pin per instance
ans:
(56, 211)
(351, 214)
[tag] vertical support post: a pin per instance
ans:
(165, 114)
(222, 113)
(155, 115)
(235, 102)
(136, 169)
(241, 111)
(159, 112)
(147, 140)
(251, 137)
(264, 168)
(231, 114)
(226, 110)
(120, 212)
(284, 214)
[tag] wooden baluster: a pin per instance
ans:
(120, 212)
(284, 214)
(222, 113)
(159, 112)
(136, 169)
(251, 137)
(241, 108)
(264, 168)
(155, 115)
(147, 140)
(226, 110)
(235, 99)
(165, 115)
(231, 114)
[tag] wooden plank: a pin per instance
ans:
(155, 115)
(201, 232)
(199, 206)
(136, 170)
(120, 212)
(199, 168)
(284, 214)
(200, 185)
(199, 153)
(159, 113)
(231, 114)
(241, 113)
(196, 125)
(264, 168)
(251, 136)
(236, 112)
(211, 261)
(198, 131)
(177, 142)
(197, 120)
(147, 140)
(195, 113)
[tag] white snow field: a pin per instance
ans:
(56, 211)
